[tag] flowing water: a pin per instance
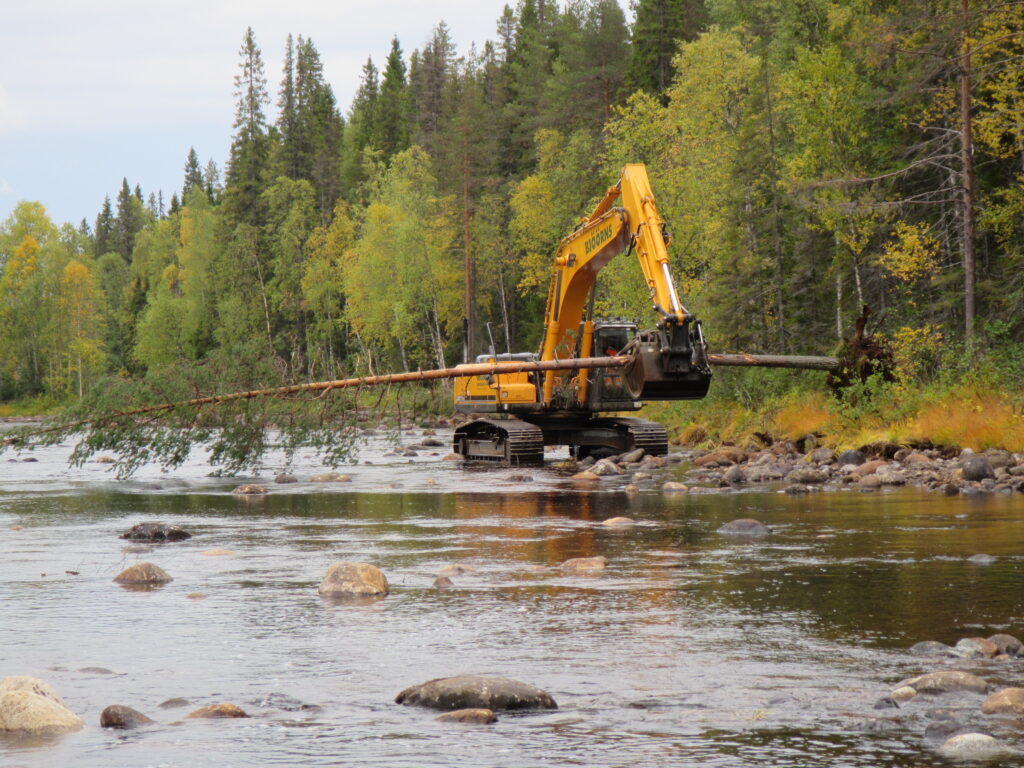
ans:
(690, 648)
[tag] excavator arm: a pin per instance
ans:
(669, 362)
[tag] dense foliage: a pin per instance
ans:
(808, 157)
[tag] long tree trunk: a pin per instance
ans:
(967, 161)
(773, 177)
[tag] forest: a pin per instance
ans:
(811, 158)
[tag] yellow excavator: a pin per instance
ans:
(562, 407)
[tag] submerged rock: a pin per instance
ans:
(346, 579)
(744, 526)
(217, 711)
(174, 703)
(674, 487)
(469, 716)
(285, 478)
(618, 522)
(947, 681)
(932, 648)
(973, 746)
(476, 692)
(119, 716)
(585, 564)
(143, 573)
(250, 490)
(903, 694)
(1009, 700)
(976, 648)
(441, 583)
(155, 532)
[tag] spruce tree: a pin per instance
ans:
(104, 239)
(250, 147)
(128, 221)
(288, 161)
(393, 106)
(659, 28)
(193, 174)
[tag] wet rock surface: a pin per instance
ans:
(31, 706)
(216, 711)
(469, 717)
(476, 692)
(745, 527)
(155, 532)
(143, 573)
(119, 716)
(947, 681)
(585, 564)
(349, 579)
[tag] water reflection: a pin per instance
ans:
(688, 648)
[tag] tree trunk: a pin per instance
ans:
(967, 161)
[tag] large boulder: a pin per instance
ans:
(144, 574)
(854, 457)
(973, 746)
(155, 532)
(29, 705)
(947, 681)
(1008, 700)
(118, 716)
(976, 648)
(476, 692)
(1007, 644)
(744, 527)
(977, 468)
(345, 579)
(807, 476)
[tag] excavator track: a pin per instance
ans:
(638, 433)
(506, 441)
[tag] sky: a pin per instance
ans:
(93, 92)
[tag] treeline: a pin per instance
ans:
(810, 158)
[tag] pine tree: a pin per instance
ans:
(193, 174)
(659, 27)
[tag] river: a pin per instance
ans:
(690, 648)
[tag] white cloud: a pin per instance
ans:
(6, 189)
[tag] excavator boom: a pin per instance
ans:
(670, 364)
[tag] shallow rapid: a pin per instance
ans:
(689, 648)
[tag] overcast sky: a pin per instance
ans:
(93, 91)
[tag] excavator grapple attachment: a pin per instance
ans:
(668, 364)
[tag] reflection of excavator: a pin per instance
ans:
(558, 408)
